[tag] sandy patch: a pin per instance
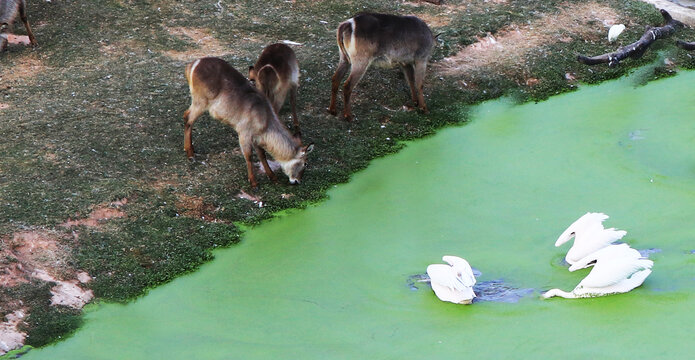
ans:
(435, 21)
(66, 293)
(10, 337)
(38, 254)
(27, 68)
(205, 44)
(506, 51)
(444, 15)
(195, 207)
(18, 39)
(27, 251)
(99, 215)
(124, 48)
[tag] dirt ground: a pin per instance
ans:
(98, 199)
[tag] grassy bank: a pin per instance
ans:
(93, 121)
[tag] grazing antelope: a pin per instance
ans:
(9, 9)
(391, 39)
(227, 96)
(275, 73)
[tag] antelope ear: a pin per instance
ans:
(252, 73)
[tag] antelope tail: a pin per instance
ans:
(268, 78)
(344, 30)
(189, 67)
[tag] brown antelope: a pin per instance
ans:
(275, 73)
(9, 9)
(221, 90)
(391, 39)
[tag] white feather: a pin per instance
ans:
(453, 282)
(614, 31)
(589, 236)
(618, 269)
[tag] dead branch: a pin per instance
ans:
(636, 49)
(686, 45)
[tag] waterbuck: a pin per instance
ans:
(275, 73)
(405, 41)
(9, 9)
(221, 90)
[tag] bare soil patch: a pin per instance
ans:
(121, 48)
(18, 39)
(99, 215)
(195, 207)
(10, 337)
(29, 67)
(38, 254)
(205, 44)
(507, 49)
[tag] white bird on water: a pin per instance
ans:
(617, 269)
(614, 31)
(453, 282)
(589, 236)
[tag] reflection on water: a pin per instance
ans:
(499, 291)
(492, 290)
(647, 252)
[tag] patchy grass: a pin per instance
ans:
(93, 116)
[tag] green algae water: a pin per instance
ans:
(332, 281)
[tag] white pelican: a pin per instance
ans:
(589, 236)
(617, 269)
(614, 31)
(453, 282)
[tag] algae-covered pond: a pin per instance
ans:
(331, 281)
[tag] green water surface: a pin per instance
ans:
(331, 281)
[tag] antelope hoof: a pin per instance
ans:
(332, 111)
(348, 117)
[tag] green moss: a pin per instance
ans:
(137, 255)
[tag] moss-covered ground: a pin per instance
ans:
(93, 115)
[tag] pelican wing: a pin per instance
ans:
(608, 272)
(607, 252)
(610, 235)
(591, 241)
(462, 268)
(445, 276)
(587, 222)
